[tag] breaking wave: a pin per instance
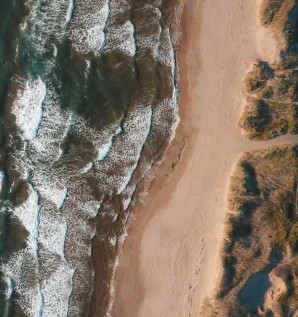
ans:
(90, 106)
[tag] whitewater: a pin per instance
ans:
(88, 111)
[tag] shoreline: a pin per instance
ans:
(166, 258)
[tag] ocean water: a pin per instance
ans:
(88, 94)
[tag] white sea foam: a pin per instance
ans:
(52, 129)
(167, 109)
(120, 241)
(113, 240)
(52, 231)
(101, 140)
(87, 168)
(69, 11)
(7, 293)
(126, 202)
(9, 288)
(27, 213)
(47, 20)
(50, 299)
(149, 21)
(56, 290)
(166, 51)
(119, 7)
(52, 191)
(55, 51)
(1, 180)
(91, 208)
(121, 37)
(41, 309)
(136, 129)
(119, 130)
(127, 196)
(27, 107)
(103, 151)
(89, 22)
(21, 268)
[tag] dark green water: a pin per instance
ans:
(88, 105)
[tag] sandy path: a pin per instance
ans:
(169, 259)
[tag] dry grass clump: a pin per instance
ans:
(282, 297)
(257, 78)
(261, 241)
(283, 219)
(268, 10)
(289, 54)
(281, 18)
(277, 16)
(289, 60)
(271, 108)
(266, 83)
(285, 86)
(264, 120)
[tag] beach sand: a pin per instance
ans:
(170, 257)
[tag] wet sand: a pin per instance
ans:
(170, 257)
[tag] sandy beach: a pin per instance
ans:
(170, 257)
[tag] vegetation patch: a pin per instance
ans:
(263, 120)
(259, 272)
(257, 78)
(268, 10)
(261, 236)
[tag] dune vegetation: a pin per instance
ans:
(259, 253)
(271, 90)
